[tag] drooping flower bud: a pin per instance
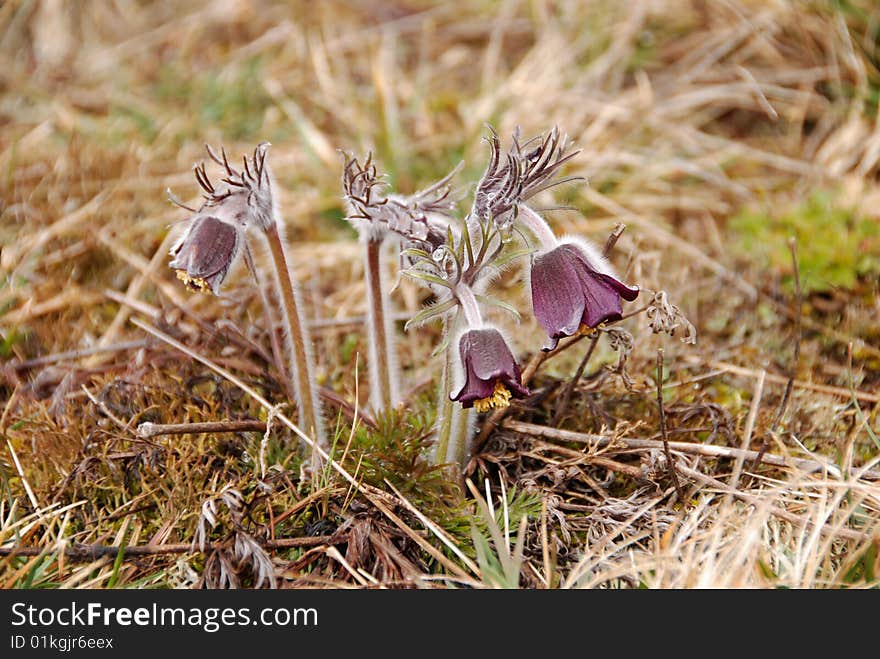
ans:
(205, 253)
(491, 373)
(214, 236)
(574, 292)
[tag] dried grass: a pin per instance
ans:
(685, 113)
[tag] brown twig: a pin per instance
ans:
(46, 360)
(799, 302)
(669, 463)
(613, 237)
(577, 457)
(147, 429)
(569, 388)
(79, 552)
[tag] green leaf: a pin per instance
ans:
(863, 568)
(767, 571)
(114, 576)
(501, 304)
(424, 276)
(430, 312)
(416, 253)
(458, 252)
(466, 239)
(512, 256)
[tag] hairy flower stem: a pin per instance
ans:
(301, 364)
(469, 308)
(445, 405)
(384, 389)
(538, 226)
(277, 352)
(454, 427)
(462, 427)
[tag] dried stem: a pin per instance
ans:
(799, 302)
(569, 388)
(78, 552)
(613, 237)
(302, 366)
(148, 429)
(669, 462)
(707, 450)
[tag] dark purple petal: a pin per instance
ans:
(487, 360)
(557, 300)
(517, 388)
(207, 251)
(486, 353)
(628, 293)
(602, 301)
(568, 291)
(472, 390)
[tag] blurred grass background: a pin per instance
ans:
(714, 129)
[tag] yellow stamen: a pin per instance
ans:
(194, 283)
(499, 398)
(584, 330)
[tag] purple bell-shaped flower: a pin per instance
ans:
(491, 373)
(205, 253)
(573, 292)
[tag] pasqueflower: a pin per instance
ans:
(491, 373)
(203, 256)
(574, 292)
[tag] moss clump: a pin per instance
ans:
(836, 246)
